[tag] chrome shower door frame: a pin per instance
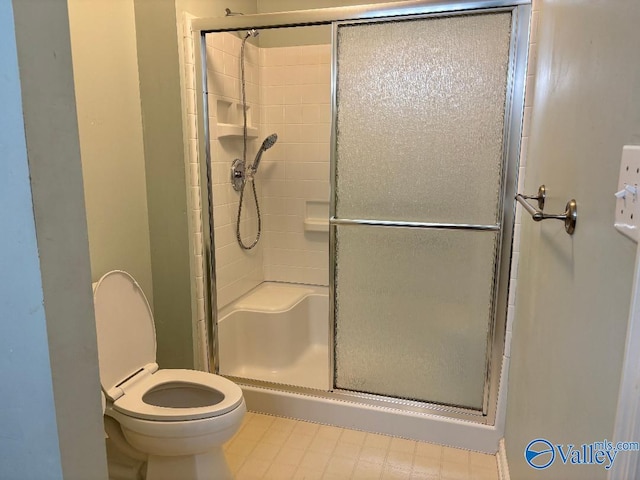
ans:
(514, 108)
(514, 112)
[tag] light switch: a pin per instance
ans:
(627, 218)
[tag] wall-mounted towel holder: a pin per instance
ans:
(569, 217)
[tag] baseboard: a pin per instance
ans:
(503, 466)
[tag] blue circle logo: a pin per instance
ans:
(539, 454)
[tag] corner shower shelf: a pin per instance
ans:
(228, 130)
(313, 225)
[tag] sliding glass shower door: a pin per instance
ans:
(421, 109)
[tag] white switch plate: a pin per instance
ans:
(627, 219)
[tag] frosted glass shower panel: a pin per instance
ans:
(420, 118)
(412, 312)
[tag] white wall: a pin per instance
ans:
(573, 292)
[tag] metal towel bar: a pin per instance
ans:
(569, 217)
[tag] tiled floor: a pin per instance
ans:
(277, 448)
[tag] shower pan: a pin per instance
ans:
(427, 101)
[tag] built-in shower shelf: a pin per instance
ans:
(316, 225)
(316, 217)
(228, 130)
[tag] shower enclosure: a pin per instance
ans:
(381, 279)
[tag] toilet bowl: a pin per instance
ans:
(178, 418)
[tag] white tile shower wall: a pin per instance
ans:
(193, 179)
(528, 110)
(237, 270)
(295, 94)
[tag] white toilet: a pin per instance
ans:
(178, 419)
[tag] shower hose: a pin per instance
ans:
(244, 160)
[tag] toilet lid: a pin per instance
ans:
(125, 329)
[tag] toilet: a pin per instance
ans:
(175, 419)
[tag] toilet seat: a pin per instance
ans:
(129, 373)
(133, 403)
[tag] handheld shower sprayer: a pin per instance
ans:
(266, 145)
(241, 173)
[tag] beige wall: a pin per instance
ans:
(214, 8)
(105, 68)
(157, 44)
(166, 146)
(573, 292)
(265, 6)
(317, 35)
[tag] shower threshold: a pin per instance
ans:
(426, 426)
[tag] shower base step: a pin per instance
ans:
(311, 370)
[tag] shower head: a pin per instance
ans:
(252, 33)
(266, 145)
(269, 141)
(229, 13)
